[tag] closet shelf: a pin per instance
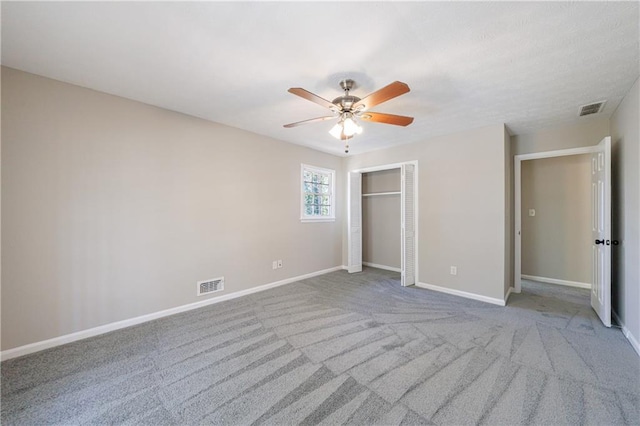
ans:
(374, 194)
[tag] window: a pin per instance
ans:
(318, 200)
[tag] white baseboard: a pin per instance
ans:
(556, 281)
(634, 342)
(388, 268)
(506, 296)
(91, 332)
(464, 294)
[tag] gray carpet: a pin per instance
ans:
(341, 349)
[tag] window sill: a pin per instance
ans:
(323, 219)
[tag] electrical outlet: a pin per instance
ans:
(275, 264)
(280, 263)
(454, 270)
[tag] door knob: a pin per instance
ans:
(607, 242)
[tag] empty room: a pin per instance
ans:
(376, 213)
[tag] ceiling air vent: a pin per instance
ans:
(593, 108)
(210, 286)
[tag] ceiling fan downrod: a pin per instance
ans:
(347, 84)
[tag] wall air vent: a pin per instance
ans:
(593, 108)
(210, 286)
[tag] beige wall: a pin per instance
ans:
(625, 136)
(556, 242)
(113, 209)
(461, 207)
(587, 131)
(381, 218)
(381, 181)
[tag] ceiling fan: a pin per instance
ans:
(349, 109)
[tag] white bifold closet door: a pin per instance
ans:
(408, 220)
(355, 222)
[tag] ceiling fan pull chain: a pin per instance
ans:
(346, 144)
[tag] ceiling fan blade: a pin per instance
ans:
(311, 120)
(378, 117)
(390, 91)
(299, 91)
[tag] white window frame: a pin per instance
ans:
(332, 194)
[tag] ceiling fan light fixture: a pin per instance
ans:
(336, 131)
(347, 127)
(350, 126)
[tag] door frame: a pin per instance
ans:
(391, 166)
(517, 201)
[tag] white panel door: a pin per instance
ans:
(408, 207)
(601, 230)
(355, 222)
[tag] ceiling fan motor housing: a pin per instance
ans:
(345, 102)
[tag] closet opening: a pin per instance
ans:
(382, 219)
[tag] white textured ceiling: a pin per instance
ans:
(529, 65)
